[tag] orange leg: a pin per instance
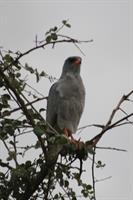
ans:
(68, 134)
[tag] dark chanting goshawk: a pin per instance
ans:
(66, 99)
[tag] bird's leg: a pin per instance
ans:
(73, 140)
(76, 142)
(68, 134)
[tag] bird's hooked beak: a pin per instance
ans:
(77, 61)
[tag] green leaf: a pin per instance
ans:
(28, 68)
(43, 73)
(68, 25)
(18, 75)
(6, 97)
(8, 58)
(56, 196)
(16, 83)
(55, 28)
(66, 183)
(61, 140)
(2, 175)
(12, 155)
(64, 22)
(38, 131)
(39, 161)
(1, 106)
(48, 39)
(6, 113)
(37, 76)
(42, 110)
(11, 142)
(88, 187)
(8, 128)
(54, 36)
(99, 162)
(28, 164)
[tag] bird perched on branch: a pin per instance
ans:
(66, 99)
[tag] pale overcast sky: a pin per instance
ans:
(107, 69)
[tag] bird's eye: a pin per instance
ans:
(72, 60)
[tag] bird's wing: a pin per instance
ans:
(71, 103)
(51, 115)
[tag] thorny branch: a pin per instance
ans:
(67, 40)
(123, 98)
(109, 125)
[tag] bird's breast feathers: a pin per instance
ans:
(71, 87)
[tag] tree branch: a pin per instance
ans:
(123, 98)
(111, 148)
(23, 107)
(108, 125)
(27, 104)
(67, 40)
(93, 175)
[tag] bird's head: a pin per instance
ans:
(72, 65)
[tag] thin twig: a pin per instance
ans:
(96, 139)
(93, 175)
(121, 120)
(6, 146)
(126, 115)
(75, 42)
(123, 98)
(27, 104)
(24, 132)
(103, 179)
(111, 148)
(2, 164)
(91, 125)
(79, 49)
(67, 194)
(124, 123)
(15, 150)
(108, 125)
(35, 90)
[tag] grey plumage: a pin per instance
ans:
(66, 98)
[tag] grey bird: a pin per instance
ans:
(66, 99)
